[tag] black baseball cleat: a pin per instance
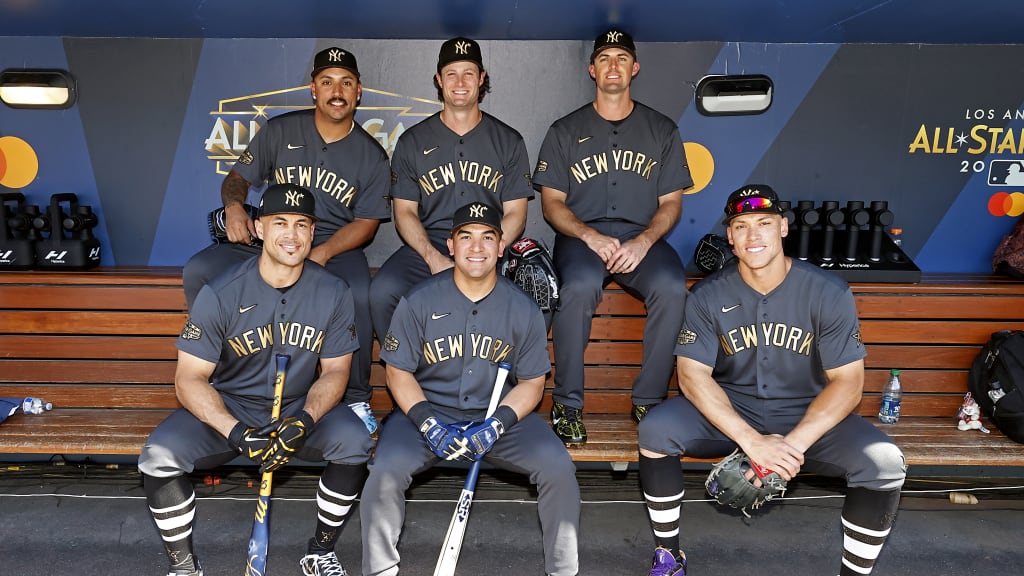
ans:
(568, 424)
(198, 571)
(639, 411)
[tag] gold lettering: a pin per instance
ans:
(805, 348)
(920, 141)
(236, 345)
(749, 334)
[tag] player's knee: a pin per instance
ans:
(580, 291)
(158, 461)
(887, 469)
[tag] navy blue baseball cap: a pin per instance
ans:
(457, 49)
(334, 57)
(752, 199)
(477, 213)
(288, 199)
(613, 38)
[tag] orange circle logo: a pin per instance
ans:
(18, 162)
(1006, 204)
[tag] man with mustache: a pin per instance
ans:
(346, 169)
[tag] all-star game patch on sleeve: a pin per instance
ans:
(203, 335)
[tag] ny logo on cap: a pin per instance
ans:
(462, 47)
(335, 55)
(293, 198)
(613, 36)
(477, 210)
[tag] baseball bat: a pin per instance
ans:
(452, 546)
(256, 560)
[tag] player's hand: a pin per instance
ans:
(483, 436)
(250, 441)
(773, 452)
(286, 440)
(239, 227)
(629, 255)
(603, 246)
(445, 440)
(319, 255)
(439, 262)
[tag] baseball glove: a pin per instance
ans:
(528, 264)
(738, 482)
(713, 252)
(218, 230)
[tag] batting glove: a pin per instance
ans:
(288, 439)
(445, 440)
(483, 436)
(249, 441)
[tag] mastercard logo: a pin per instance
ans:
(1006, 204)
(18, 162)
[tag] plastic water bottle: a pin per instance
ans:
(892, 395)
(35, 405)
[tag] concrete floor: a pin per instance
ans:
(83, 518)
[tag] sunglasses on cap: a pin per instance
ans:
(752, 204)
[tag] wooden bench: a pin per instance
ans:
(931, 331)
(99, 345)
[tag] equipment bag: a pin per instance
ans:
(1009, 255)
(996, 381)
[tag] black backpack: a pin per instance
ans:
(996, 381)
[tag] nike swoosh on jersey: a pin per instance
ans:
(429, 150)
(436, 316)
(244, 309)
(584, 139)
(294, 147)
(730, 308)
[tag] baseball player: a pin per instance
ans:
(611, 176)
(457, 156)
(276, 303)
(326, 151)
(441, 351)
(770, 360)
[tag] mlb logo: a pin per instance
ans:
(1006, 173)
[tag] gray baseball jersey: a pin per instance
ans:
(452, 344)
(239, 322)
(613, 170)
(350, 177)
(443, 171)
(776, 345)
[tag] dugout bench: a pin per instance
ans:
(99, 345)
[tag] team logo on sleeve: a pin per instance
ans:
(191, 331)
(390, 342)
(542, 166)
(245, 158)
(686, 336)
(856, 336)
(394, 177)
(352, 330)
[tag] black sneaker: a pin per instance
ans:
(568, 424)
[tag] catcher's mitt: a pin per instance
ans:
(738, 482)
(528, 264)
(218, 230)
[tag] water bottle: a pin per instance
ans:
(35, 405)
(892, 395)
